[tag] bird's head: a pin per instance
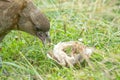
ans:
(34, 22)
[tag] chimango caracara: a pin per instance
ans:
(23, 15)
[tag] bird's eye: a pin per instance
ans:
(46, 35)
(37, 28)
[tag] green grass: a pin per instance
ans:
(97, 22)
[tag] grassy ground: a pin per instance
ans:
(97, 22)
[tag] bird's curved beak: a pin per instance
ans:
(44, 36)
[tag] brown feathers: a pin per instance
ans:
(22, 15)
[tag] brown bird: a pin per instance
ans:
(22, 15)
(25, 16)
